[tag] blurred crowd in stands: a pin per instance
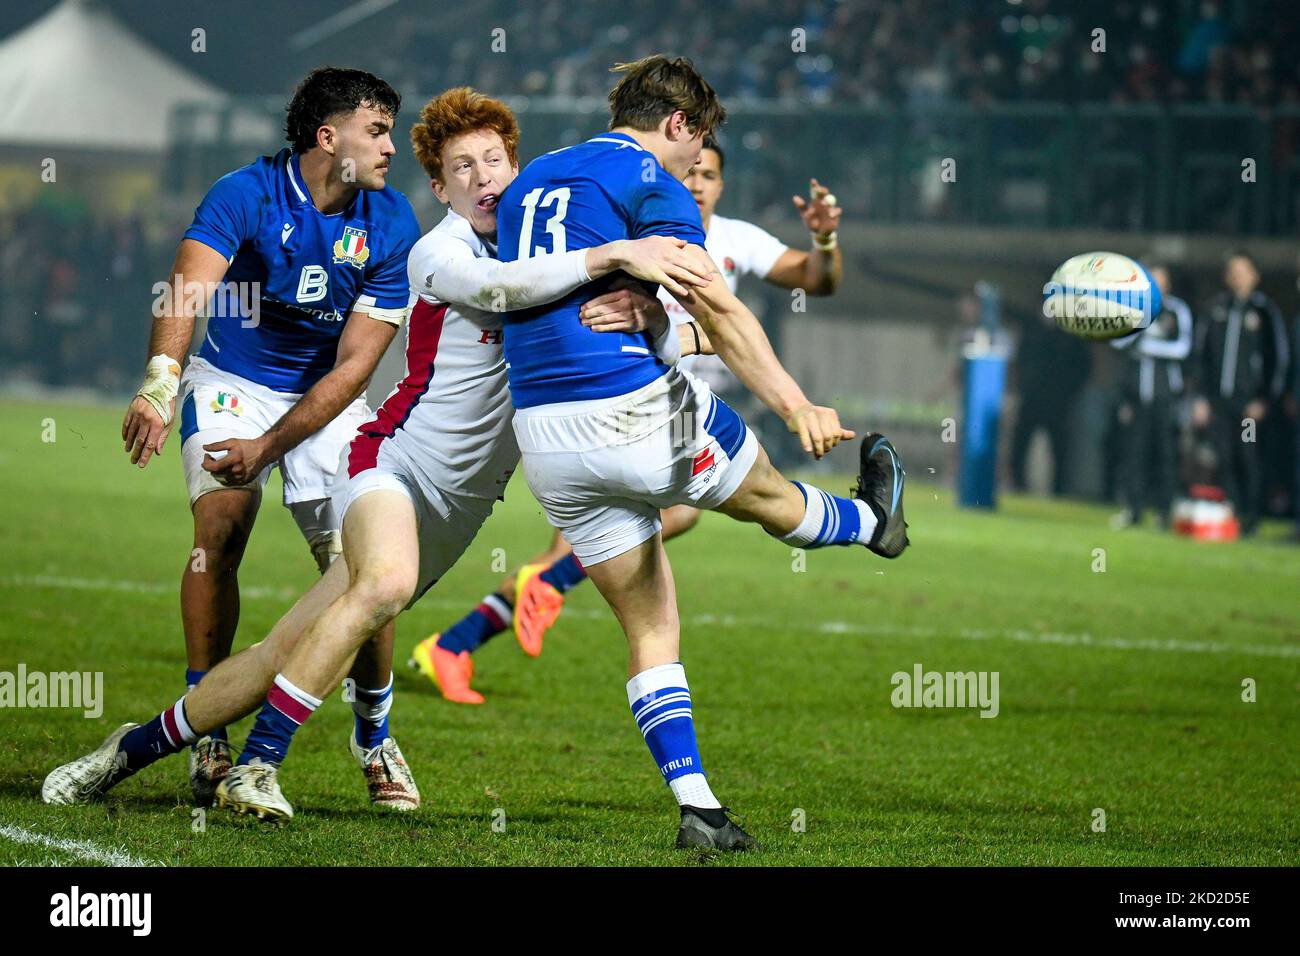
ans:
(75, 296)
(874, 52)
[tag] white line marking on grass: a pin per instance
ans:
(1170, 645)
(83, 849)
(253, 592)
(1070, 640)
(1027, 637)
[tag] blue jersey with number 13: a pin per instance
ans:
(605, 189)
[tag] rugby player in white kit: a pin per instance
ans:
(417, 482)
(532, 597)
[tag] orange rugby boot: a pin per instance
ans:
(450, 672)
(537, 606)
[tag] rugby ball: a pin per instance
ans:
(1101, 295)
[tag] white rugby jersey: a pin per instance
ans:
(450, 414)
(739, 248)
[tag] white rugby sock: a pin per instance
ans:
(693, 790)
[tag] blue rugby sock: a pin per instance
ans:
(661, 707)
(829, 519)
(492, 616)
(286, 709)
(371, 708)
(565, 573)
(166, 734)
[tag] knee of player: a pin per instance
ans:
(222, 537)
(383, 593)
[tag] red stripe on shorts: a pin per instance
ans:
(704, 460)
(421, 354)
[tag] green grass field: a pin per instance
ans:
(1119, 690)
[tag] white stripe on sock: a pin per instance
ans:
(660, 700)
(664, 718)
(297, 693)
(655, 678)
(188, 736)
(814, 513)
(370, 709)
(500, 608)
(833, 525)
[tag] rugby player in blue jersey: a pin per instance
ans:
(611, 434)
(299, 260)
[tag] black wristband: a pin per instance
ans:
(695, 331)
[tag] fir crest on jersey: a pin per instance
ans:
(352, 248)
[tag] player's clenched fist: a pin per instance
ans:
(243, 460)
(148, 418)
(818, 428)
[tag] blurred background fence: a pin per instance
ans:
(1134, 167)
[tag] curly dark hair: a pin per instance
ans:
(328, 91)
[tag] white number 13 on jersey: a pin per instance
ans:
(559, 198)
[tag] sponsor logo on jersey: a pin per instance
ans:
(729, 265)
(491, 337)
(352, 248)
(703, 461)
(225, 402)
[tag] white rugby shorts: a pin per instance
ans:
(216, 405)
(602, 470)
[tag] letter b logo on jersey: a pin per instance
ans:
(313, 284)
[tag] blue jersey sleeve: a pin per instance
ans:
(664, 207)
(386, 283)
(228, 215)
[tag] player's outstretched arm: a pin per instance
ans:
(361, 346)
(455, 274)
(817, 270)
(148, 421)
(739, 339)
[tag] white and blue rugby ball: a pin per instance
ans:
(1101, 295)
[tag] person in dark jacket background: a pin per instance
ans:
(1241, 365)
